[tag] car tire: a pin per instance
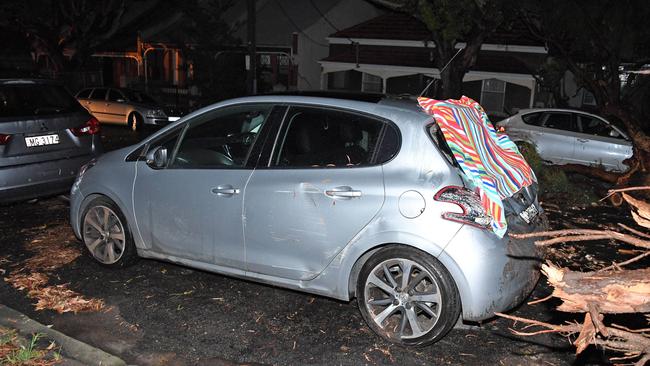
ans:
(135, 122)
(415, 312)
(106, 234)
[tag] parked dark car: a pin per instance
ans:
(45, 137)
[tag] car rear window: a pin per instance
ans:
(19, 100)
(439, 139)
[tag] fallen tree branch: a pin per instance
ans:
(582, 235)
(621, 340)
(624, 263)
(634, 231)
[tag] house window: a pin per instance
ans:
(344, 80)
(372, 83)
(493, 94)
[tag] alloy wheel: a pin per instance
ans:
(402, 298)
(104, 235)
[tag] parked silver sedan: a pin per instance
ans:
(123, 106)
(565, 136)
(333, 197)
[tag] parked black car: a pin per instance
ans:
(45, 137)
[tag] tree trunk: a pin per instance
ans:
(452, 82)
(625, 291)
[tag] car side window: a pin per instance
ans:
(84, 94)
(114, 95)
(597, 127)
(561, 121)
(533, 119)
(318, 137)
(221, 138)
(168, 141)
(98, 93)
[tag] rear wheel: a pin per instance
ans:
(106, 234)
(407, 297)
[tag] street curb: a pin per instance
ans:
(70, 347)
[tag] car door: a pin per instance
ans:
(318, 190)
(97, 104)
(116, 107)
(557, 139)
(599, 143)
(192, 208)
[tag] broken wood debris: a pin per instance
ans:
(610, 290)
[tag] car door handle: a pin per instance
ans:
(583, 140)
(343, 192)
(225, 191)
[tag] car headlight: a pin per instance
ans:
(156, 113)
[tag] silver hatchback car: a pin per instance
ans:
(333, 197)
(566, 136)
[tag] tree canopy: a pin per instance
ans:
(454, 23)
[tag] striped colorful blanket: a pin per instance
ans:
(492, 162)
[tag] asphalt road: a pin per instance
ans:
(159, 313)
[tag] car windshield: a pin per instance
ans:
(139, 97)
(18, 100)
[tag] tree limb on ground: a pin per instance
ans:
(610, 290)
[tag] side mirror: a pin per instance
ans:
(614, 133)
(157, 157)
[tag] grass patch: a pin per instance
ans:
(15, 352)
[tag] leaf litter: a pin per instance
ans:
(32, 275)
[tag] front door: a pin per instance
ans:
(97, 104)
(319, 189)
(600, 144)
(116, 107)
(192, 208)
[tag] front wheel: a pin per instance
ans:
(407, 296)
(106, 234)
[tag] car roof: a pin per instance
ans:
(395, 113)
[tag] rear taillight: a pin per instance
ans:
(473, 212)
(501, 129)
(89, 128)
(4, 139)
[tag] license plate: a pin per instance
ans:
(529, 214)
(42, 140)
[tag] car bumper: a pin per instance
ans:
(39, 179)
(493, 274)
